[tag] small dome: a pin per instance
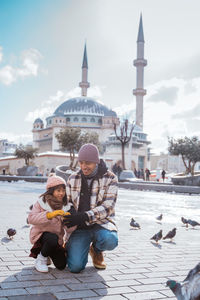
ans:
(38, 120)
(83, 106)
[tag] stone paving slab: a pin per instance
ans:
(33, 297)
(136, 269)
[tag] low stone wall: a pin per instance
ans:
(143, 186)
(171, 188)
(186, 180)
(11, 178)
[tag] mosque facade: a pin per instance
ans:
(91, 116)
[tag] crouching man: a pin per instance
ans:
(93, 192)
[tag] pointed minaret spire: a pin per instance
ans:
(84, 84)
(140, 63)
(140, 31)
(85, 64)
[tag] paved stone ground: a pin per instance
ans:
(137, 269)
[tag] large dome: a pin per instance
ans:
(84, 106)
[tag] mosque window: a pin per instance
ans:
(75, 119)
(92, 120)
(84, 120)
(60, 121)
(68, 119)
(100, 121)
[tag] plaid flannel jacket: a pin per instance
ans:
(102, 200)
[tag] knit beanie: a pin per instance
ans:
(54, 181)
(89, 152)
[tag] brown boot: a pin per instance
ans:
(97, 258)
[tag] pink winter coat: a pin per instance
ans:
(38, 219)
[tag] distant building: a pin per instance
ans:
(91, 116)
(7, 148)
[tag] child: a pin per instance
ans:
(47, 232)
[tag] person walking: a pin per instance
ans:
(93, 192)
(147, 173)
(47, 231)
(163, 175)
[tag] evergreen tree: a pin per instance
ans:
(188, 148)
(71, 139)
(26, 152)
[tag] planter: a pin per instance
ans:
(27, 171)
(189, 180)
(63, 171)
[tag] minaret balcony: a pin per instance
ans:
(84, 84)
(140, 92)
(140, 62)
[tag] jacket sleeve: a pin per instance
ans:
(37, 215)
(106, 205)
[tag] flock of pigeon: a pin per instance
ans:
(189, 289)
(171, 234)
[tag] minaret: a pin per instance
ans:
(140, 63)
(84, 84)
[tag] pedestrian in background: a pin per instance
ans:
(163, 175)
(147, 174)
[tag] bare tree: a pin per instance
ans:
(124, 137)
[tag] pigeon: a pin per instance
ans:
(184, 221)
(170, 235)
(156, 237)
(189, 289)
(134, 224)
(159, 218)
(11, 232)
(193, 223)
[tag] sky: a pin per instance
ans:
(41, 52)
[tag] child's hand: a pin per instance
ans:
(67, 213)
(55, 213)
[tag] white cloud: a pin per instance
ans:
(171, 109)
(48, 107)
(180, 119)
(30, 66)
(1, 54)
(17, 138)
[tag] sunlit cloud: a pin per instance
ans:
(1, 54)
(17, 138)
(48, 106)
(30, 66)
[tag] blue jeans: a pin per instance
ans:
(79, 244)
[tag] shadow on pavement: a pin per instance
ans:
(29, 284)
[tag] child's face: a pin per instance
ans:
(59, 193)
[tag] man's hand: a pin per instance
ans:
(75, 219)
(55, 213)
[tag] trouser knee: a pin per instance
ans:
(108, 242)
(75, 268)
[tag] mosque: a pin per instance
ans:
(91, 116)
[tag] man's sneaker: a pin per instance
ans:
(97, 258)
(41, 263)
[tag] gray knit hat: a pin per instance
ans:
(89, 152)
